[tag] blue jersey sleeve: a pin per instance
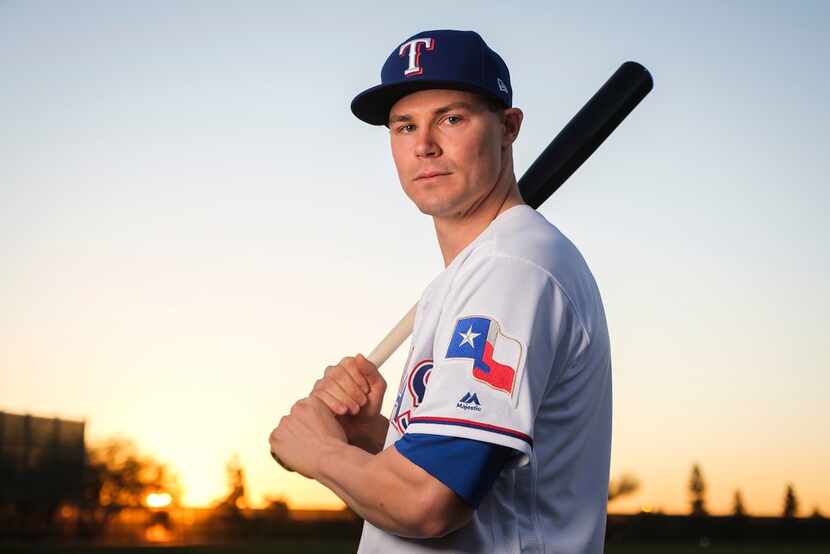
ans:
(468, 467)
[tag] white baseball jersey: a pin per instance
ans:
(510, 346)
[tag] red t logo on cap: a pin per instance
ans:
(414, 47)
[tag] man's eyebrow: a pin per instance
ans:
(454, 106)
(442, 110)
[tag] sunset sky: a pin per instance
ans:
(193, 225)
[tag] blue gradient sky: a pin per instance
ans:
(193, 225)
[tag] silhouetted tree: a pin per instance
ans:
(278, 507)
(625, 485)
(236, 499)
(816, 513)
(121, 477)
(790, 502)
(697, 491)
(738, 509)
(118, 477)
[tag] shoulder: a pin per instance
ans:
(529, 236)
(526, 248)
(524, 238)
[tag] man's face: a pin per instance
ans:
(448, 149)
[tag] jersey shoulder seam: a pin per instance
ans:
(556, 282)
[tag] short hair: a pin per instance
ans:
(493, 104)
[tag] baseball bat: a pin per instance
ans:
(574, 144)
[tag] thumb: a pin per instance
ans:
(368, 369)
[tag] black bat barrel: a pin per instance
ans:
(585, 132)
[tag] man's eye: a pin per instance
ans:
(453, 119)
(408, 128)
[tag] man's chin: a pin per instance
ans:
(439, 206)
(439, 211)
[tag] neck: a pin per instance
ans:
(456, 232)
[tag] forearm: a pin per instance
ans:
(375, 492)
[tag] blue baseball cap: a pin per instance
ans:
(448, 59)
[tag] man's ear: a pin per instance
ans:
(512, 123)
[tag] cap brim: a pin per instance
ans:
(373, 105)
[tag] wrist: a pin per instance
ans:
(368, 433)
(329, 454)
(337, 461)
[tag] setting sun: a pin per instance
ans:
(158, 500)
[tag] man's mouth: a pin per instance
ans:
(430, 174)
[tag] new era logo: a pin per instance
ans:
(469, 402)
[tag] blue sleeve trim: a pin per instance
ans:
(468, 467)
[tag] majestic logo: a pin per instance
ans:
(502, 86)
(413, 48)
(495, 356)
(469, 402)
(416, 385)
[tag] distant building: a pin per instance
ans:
(42, 462)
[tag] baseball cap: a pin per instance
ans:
(450, 59)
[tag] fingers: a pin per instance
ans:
(285, 467)
(339, 404)
(275, 439)
(370, 371)
(367, 368)
(277, 459)
(348, 377)
(343, 388)
(341, 396)
(352, 386)
(376, 382)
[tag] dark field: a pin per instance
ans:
(334, 547)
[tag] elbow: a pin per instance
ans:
(436, 516)
(434, 528)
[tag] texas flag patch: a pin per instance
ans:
(495, 356)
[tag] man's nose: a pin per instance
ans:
(426, 147)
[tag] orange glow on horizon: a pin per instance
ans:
(158, 533)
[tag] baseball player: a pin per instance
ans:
(499, 440)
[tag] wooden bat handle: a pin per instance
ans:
(394, 338)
